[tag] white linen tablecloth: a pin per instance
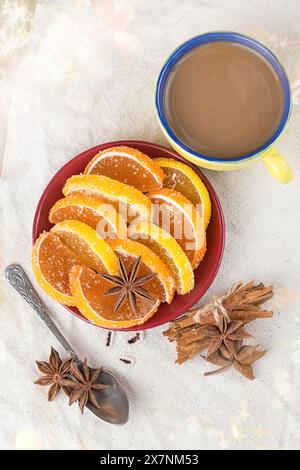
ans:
(78, 73)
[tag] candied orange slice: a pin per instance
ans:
(92, 211)
(89, 288)
(167, 248)
(163, 285)
(119, 194)
(177, 215)
(90, 249)
(51, 264)
(182, 178)
(128, 165)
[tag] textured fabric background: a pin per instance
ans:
(78, 73)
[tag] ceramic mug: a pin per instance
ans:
(269, 156)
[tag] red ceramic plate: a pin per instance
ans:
(204, 274)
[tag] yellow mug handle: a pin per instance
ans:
(277, 165)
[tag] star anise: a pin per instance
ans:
(217, 327)
(241, 358)
(224, 334)
(128, 285)
(55, 374)
(83, 383)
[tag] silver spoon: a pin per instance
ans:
(114, 403)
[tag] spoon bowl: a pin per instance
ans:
(113, 400)
(114, 404)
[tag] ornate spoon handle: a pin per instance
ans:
(19, 280)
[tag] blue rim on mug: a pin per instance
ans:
(213, 37)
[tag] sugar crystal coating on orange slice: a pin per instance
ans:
(92, 211)
(175, 214)
(88, 289)
(128, 165)
(167, 248)
(119, 194)
(51, 264)
(184, 179)
(89, 247)
(164, 285)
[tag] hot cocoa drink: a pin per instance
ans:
(223, 99)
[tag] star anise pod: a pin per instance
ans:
(225, 334)
(83, 383)
(55, 374)
(241, 358)
(199, 330)
(128, 285)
